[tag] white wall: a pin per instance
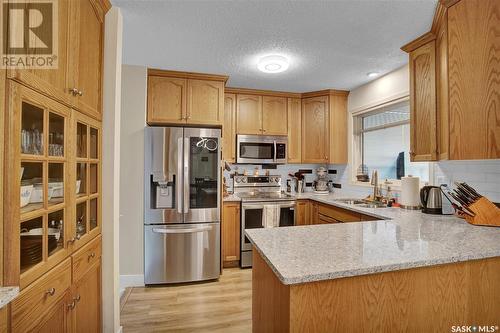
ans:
(133, 112)
(111, 170)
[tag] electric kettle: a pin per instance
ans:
(430, 197)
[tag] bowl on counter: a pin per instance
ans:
(26, 192)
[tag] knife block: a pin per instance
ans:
(487, 213)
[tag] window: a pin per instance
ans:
(383, 138)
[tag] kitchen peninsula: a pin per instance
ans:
(409, 272)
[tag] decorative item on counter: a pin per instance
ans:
(473, 207)
(320, 185)
(245, 172)
(256, 171)
(362, 174)
(410, 192)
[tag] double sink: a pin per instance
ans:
(362, 203)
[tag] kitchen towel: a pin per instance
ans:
(271, 216)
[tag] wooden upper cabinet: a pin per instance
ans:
(474, 84)
(294, 130)
(442, 97)
(338, 128)
(274, 115)
(86, 56)
(423, 140)
(229, 129)
(166, 100)
(205, 102)
(315, 124)
(53, 82)
(249, 114)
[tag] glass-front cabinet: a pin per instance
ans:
(87, 222)
(36, 145)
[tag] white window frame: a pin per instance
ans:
(357, 145)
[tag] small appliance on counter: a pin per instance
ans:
(320, 185)
(430, 197)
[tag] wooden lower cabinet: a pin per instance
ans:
(302, 212)
(87, 298)
(324, 214)
(231, 234)
(65, 299)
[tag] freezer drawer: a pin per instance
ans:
(181, 253)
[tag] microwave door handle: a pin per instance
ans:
(179, 175)
(275, 152)
(187, 186)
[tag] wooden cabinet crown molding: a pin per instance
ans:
(326, 92)
(187, 75)
(246, 91)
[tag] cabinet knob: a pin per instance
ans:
(73, 91)
(80, 93)
(77, 298)
(50, 292)
(71, 305)
(71, 241)
(91, 255)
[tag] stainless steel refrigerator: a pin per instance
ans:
(182, 204)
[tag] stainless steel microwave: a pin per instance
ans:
(261, 149)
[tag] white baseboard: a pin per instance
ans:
(127, 281)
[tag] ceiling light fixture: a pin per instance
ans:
(273, 64)
(372, 74)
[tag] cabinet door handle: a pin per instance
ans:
(73, 91)
(71, 305)
(80, 93)
(91, 255)
(71, 241)
(77, 298)
(50, 292)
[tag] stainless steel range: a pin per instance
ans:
(263, 204)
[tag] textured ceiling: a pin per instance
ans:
(330, 44)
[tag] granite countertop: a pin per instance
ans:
(7, 295)
(405, 239)
(231, 197)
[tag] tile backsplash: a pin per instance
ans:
(483, 175)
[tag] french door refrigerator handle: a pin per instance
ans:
(179, 176)
(181, 231)
(187, 184)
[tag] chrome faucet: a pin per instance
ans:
(374, 182)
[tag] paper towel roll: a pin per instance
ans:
(410, 192)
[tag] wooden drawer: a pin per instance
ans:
(339, 214)
(84, 258)
(38, 297)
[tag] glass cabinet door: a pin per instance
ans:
(41, 162)
(87, 218)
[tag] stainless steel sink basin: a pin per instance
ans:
(351, 201)
(372, 205)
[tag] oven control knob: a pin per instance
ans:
(238, 179)
(243, 180)
(272, 180)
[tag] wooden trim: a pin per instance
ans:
(105, 5)
(326, 92)
(439, 16)
(3, 101)
(187, 75)
(448, 3)
(259, 92)
(420, 41)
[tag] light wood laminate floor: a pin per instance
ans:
(220, 306)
